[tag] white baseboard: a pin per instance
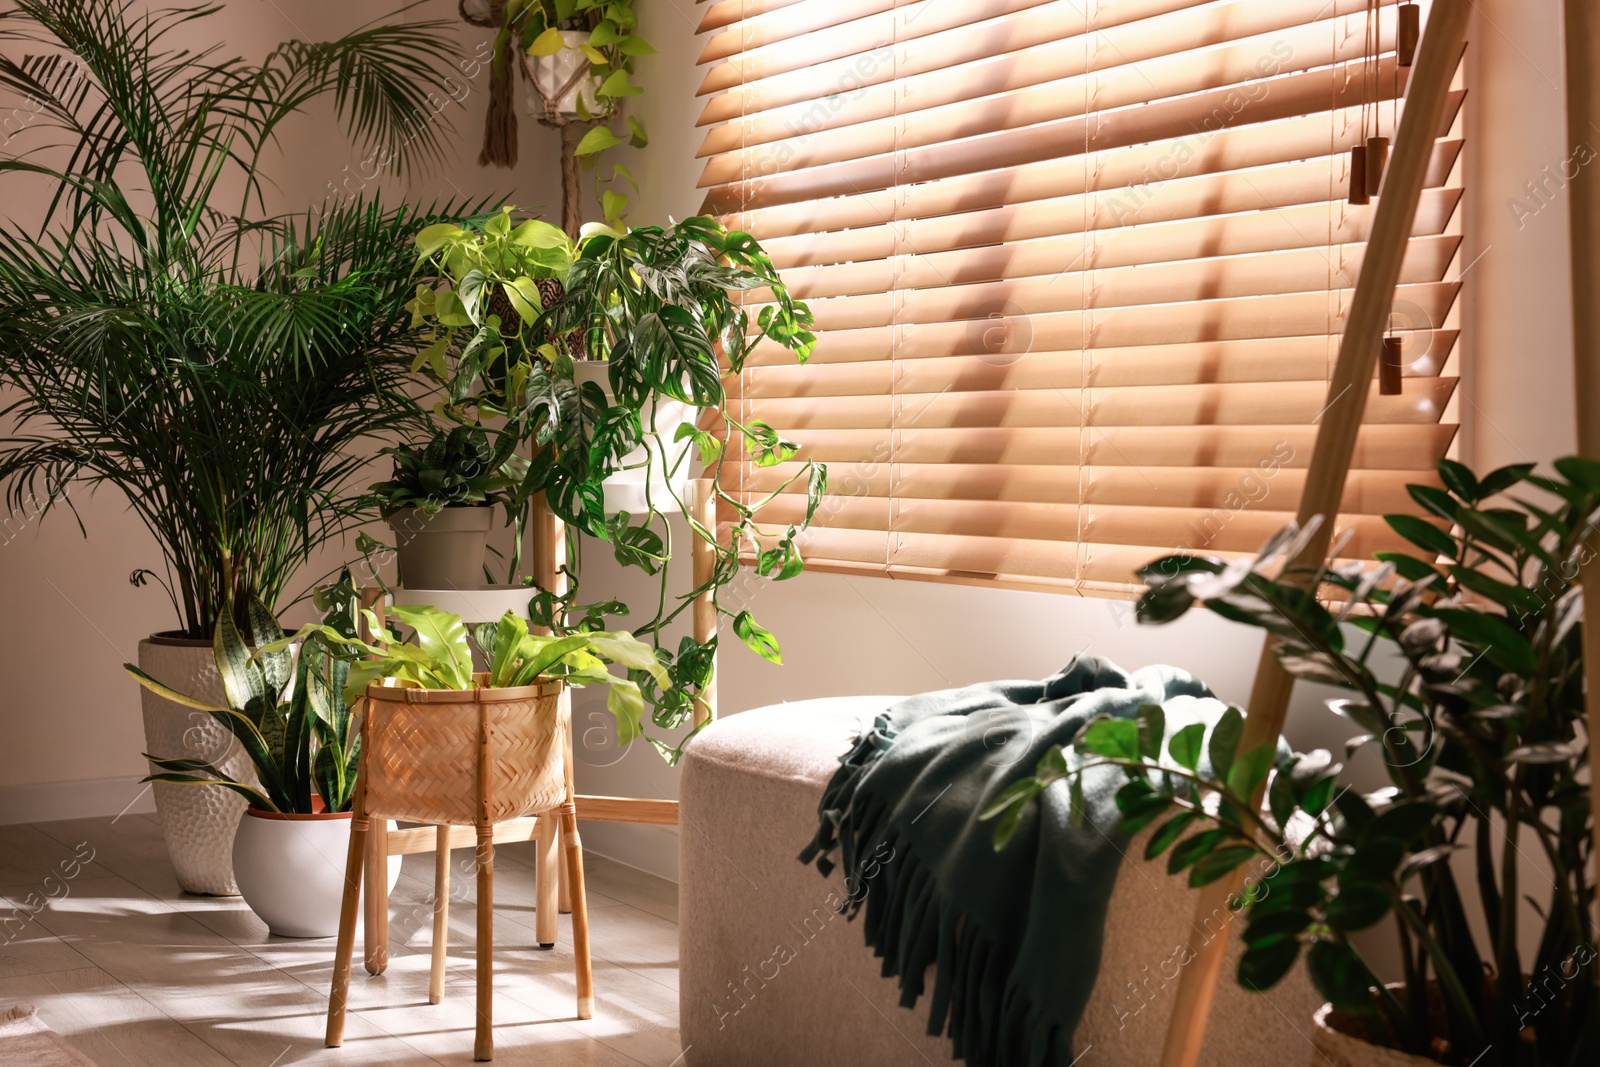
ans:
(50, 801)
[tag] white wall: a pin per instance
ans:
(71, 715)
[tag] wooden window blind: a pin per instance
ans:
(1079, 271)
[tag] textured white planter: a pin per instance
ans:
(550, 73)
(626, 491)
(197, 821)
(291, 870)
(1336, 1038)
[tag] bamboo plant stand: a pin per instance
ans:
(466, 760)
(554, 892)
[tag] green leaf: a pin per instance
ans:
(1152, 724)
(443, 639)
(1511, 597)
(1225, 738)
(1250, 770)
(1459, 479)
(257, 799)
(1111, 738)
(547, 43)
(1437, 501)
(1220, 863)
(1501, 644)
(1185, 745)
(1264, 964)
(1190, 849)
(1168, 833)
(1403, 822)
(1423, 534)
(626, 703)
(1410, 568)
(616, 84)
(1357, 907)
(1340, 976)
(757, 637)
(163, 690)
(1499, 480)
(597, 140)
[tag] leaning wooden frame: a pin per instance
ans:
(1359, 350)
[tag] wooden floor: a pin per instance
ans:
(133, 972)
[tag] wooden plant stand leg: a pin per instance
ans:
(355, 862)
(564, 900)
(580, 909)
(547, 894)
(441, 914)
(483, 1046)
(377, 911)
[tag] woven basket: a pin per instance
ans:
(424, 746)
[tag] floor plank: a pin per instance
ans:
(134, 972)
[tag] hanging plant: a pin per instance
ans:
(577, 59)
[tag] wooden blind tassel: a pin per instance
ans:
(1389, 366)
(1358, 175)
(1408, 30)
(1377, 159)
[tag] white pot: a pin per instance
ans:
(550, 73)
(291, 870)
(625, 491)
(197, 821)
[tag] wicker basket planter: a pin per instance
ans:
(423, 749)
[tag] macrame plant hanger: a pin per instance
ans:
(500, 123)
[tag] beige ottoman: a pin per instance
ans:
(772, 976)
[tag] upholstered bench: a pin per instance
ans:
(772, 976)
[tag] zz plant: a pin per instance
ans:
(1483, 741)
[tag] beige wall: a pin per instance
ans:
(71, 715)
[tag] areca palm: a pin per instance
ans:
(220, 368)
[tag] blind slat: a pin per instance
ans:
(1229, 489)
(1064, 78)
(1292, 361)
(1030, 291)
(986, 251)
(1042, 42)
(1250, 318)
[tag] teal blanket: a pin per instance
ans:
(1013, 937)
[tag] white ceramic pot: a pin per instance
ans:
(625, 491)
(291, 870)
(547, 75)
(197, 821)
